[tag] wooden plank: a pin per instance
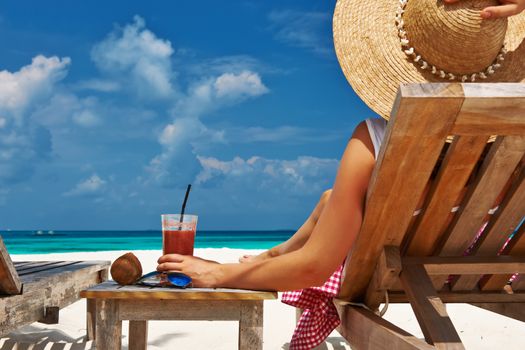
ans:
(138, 335)
(497, 168)
(412, 144)
(195, 310)
(460, 160)
(429, 309)
(111, 290)
(509, 215)
(512, 310)
(251, 325)
(9, 281)
(34, 264)
(385, 275)
(516, 247)
(48, 278)
(58, 290)
(466, 297)
(491, 110)
(365, 330)
(46, 267)
(109, 325)
(469, 264)
(91, 319)
(21, 263)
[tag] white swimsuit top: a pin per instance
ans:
(376, 129)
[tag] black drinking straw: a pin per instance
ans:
(184, 203)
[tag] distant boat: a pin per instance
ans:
(51, 232)
(39, 232)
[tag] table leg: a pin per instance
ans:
(251, 325)
(109, 325)
(138, 335)
(91, 318)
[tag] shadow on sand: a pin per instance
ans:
(332, 343)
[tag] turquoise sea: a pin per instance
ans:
(43, 241)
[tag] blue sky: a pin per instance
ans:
(108, 109)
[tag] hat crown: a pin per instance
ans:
(454, 38)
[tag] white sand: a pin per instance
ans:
(479, 329)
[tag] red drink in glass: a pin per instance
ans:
(178, 236)
(178, 242)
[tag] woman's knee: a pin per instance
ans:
(320, 206)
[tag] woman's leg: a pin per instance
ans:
(298, 239)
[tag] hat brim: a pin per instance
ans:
(370, 54)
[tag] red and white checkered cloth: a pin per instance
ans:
(319, 317)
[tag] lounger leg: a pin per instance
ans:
(91, 319)
(429, 309)
(251, 326)
(138, 335)
(109, 325)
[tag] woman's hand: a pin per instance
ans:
(506, 8)
(204, 273)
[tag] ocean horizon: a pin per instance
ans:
(67, 241)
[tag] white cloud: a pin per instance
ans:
(239, 85)
(309, 30)
(86, 118)
(177, 164)
(134, 51)
(19, 90)
(283, 134)
(63, 108)
(301, 176)
(25, 143)
(217, 92)
(99, 85)
(90, 187)
(181, 139)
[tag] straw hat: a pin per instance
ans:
(381, 44)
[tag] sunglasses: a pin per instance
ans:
(169, 279)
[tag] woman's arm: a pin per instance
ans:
(298, 239)
(320, 256)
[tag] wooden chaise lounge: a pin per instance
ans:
(35, 291)
(421, 259)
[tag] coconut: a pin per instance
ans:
(126, 269)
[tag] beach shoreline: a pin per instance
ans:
(479, 329)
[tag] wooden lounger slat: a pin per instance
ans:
(497, 168)
(33, 264)
(41, 278)
(497, 113)
(45, 267)
(9, 280)
(414, 140)
(502, 225)
(516, 247)
(456, 169)
(21, 263)
(466, 297)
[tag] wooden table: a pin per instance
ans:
(109, 304)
